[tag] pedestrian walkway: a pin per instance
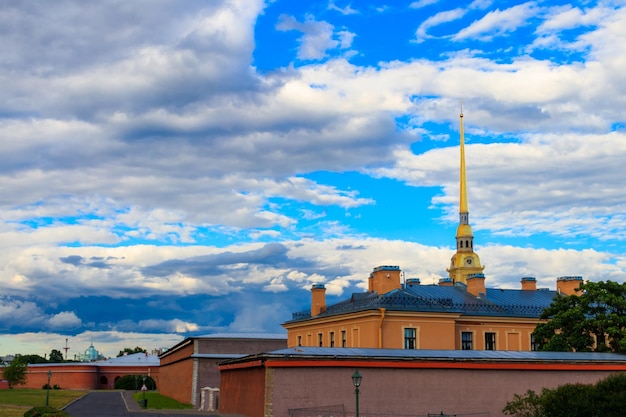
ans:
(120, 404)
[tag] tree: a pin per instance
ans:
(130, 351)
(528, 405)
(15, 373)
(135, 382)
(56, 356)
(595, 320)
(32, 359)
(605, 398)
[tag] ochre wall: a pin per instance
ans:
(361, 329)
(433, 330)
(511, 333)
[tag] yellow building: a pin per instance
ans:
(458, 313)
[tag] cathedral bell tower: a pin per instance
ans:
(465, 262)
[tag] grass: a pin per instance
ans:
(15, 402)
(160, 402)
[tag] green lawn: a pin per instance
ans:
(160, 402)
(15, 402)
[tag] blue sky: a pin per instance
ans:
(176, 168)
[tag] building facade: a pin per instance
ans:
(189, 371)
(458, 313)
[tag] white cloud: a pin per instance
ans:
(438, 19)
(317, 36)
(347, 10)
(64, 320)
(422, 3)
(498, 22)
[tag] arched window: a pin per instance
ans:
(461, 243)
(103, 380)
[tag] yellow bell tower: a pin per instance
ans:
(465, 261)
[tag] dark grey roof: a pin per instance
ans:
(218, 355)
(458, 355)
(441, 299)
(279, 336)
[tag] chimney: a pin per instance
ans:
(476, 285)
(445, 282)
(412, 281)
(318, 299)
(529, 283)
(385, 279)
(568, 285)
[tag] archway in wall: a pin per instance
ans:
(103, 380)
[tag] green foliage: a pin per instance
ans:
(15, 373)
(45, 411)
(528, 405)
(33, 359)
(130, 351)
(56, 356)
(606, 398)
(569, 400)
(135, 382)
(592, 321)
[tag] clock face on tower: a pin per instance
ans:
(468, 261)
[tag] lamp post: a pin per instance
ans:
(356, 381)
(48, 386)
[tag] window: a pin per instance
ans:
(332, 339)
(299, 340)
(409, 338)
(344, 341)
(490, 341)
(320, 338)
(466, 340)
(533, 343)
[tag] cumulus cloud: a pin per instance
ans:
(140, 162)
(317, 36)
(64, 320)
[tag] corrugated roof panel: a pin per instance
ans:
(351, 353)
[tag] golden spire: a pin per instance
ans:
(463, 208)
(465, 262)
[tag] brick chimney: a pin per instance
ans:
(476, 285)
(529, 283)
(568, 285)
(384, 279)
(318, 299)
(446, 282)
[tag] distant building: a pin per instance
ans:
(92, 375)
(189, 372)
(458, 313)
(90, 355)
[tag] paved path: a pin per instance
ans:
(119, 404)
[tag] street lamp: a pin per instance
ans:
(356, 381)
(48, 390)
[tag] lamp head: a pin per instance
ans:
(356, 378)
